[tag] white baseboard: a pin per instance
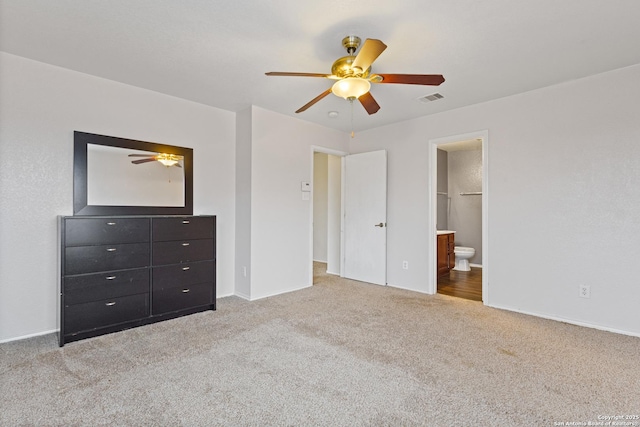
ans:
(229, 294)
(272, 294)
(241, 295)
(280, 293)
(420, 291)
(570, 321)
(475, 265)
(24, 337)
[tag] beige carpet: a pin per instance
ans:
(341, 353)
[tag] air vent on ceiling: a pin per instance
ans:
(430, 98)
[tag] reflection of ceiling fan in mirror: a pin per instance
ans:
(166, 159)
(353, 75)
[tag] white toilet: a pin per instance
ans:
(463, 254)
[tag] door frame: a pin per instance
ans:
(432, 283)
(341, 154)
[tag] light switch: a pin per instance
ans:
(305, 195)
(305, 186)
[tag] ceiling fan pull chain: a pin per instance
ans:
(351, 102)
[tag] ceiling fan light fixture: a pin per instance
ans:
(351, 87)
(168, 163)
(168, 159)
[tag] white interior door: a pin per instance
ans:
(365, 217)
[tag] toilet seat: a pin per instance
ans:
(463, 249)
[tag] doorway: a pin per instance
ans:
(326, 211)
(348, 214)
(461, 205)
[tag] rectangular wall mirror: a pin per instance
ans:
(118, 176)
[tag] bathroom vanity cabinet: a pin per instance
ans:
(119, 272)
(446, 257)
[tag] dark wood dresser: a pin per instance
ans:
(119, 272)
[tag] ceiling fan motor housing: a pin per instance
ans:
(343, 67)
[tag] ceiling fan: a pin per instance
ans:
(166, 159)
(353, 75)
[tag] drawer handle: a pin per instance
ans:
(185, 268)
(109, 304)
(186, 221)
(184, 291)
(185, 244)
(110, 277)
(111, 223)
(111, 249)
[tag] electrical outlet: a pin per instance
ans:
(585, 291)
(405, 265)
(244, 271)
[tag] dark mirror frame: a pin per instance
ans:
(80, 207)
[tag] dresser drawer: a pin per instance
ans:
(183, 274)
(183, 228)
(91, 315)
(105, 231)
(113, 284)
(180, 251)
(174, 299)
(90, 259)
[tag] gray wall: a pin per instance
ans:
(41, 105)
(242, 270)
(561, 169)
(320, 206)
(281, 158)
(334, 219)
(326, 210)
(442, 220)
(465, 215)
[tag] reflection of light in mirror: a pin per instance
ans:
(168, 159)
(112, 180)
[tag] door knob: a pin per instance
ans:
(379, 225)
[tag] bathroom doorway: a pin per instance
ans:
(459, 211)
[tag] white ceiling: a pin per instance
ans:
(216, 52)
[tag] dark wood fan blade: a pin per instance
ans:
(369, 52)
(177, 165)
(141, 155)
(314, 100)
(277, 73)
(369, 103)
(137, 162)
(413, 79)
